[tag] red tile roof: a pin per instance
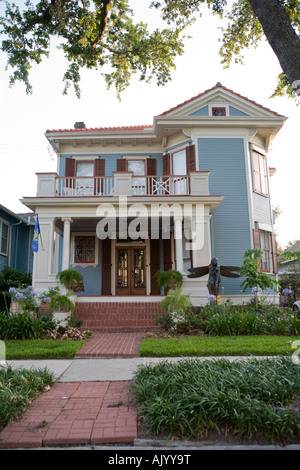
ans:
(141, 127)
(223, 88)
(102, 129)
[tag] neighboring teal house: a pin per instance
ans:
(128, 201)
(16, 233)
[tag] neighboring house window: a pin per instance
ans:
(4, 230)
(84, 250)
(260, 173)
(218, 111)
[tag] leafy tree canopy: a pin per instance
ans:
(98, 33)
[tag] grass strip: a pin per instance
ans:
(41, 349)
(217, 346)
(191, 397)
(17, 389)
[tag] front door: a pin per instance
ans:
(130, 271)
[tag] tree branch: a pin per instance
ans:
(103, 21)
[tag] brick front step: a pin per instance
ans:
(117, 316)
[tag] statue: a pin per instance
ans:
(215, 271)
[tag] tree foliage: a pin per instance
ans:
(103, 34)
(93, 34)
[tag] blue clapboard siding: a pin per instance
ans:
(92, 276)
(236, 112)
(200, 112)
(231, 234)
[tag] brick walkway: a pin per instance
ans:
(75, 414)
(81, 413)
(112, 345)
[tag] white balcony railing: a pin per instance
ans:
(123, 184)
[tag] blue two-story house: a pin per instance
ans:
(16, 232)
(129, 201)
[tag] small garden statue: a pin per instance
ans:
(213, 283)
(215, 271)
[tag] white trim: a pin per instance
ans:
(248, 168)
(85, 157)
(136, 157)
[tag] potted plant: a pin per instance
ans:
(71, 279)
(169, 280)
(62, 308)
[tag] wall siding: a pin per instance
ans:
(225, 158)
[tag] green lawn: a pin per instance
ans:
(217, 346)
(41, 349)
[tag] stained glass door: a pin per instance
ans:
(130, 271)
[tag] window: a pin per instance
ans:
(4, 230)
(260, 173)
(218, 111)
(84, 249)
(266, 242)
(138, 169)
(265, 246)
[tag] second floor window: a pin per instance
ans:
(260, 173)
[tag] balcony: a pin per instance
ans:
(123, 184)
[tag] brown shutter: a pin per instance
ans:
(122, 164)
(70, 171)
(99, 171)
(151, 166)
(256, 239)
(151, 171)
(190, 159)
(274, 253)
(167, 254)
(154, 265)
(166, 164)
(106, 266)
(70, 167)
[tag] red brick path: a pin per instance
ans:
(81, 413)
(112, 345)
(75, 414)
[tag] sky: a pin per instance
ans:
(24, 119)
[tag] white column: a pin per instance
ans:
(66, 243)
(178, 243)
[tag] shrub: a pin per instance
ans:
(23, 326)
(227, 319)
(175, 307)
(10, 277)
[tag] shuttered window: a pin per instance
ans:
(260, 180)
(266, 241)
